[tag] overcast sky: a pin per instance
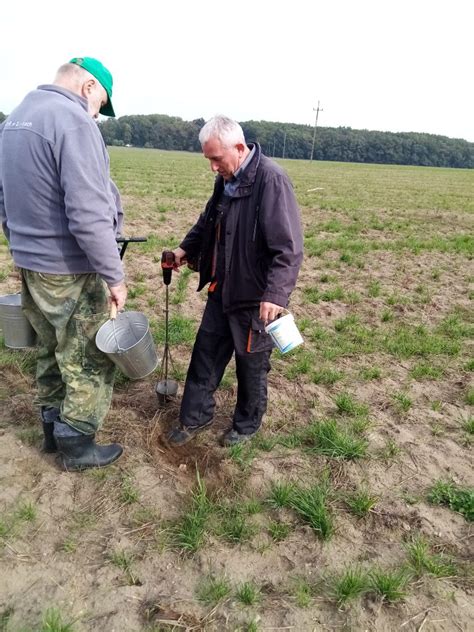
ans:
(396, 65)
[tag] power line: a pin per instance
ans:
(317, 110)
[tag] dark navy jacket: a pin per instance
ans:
(263, 241)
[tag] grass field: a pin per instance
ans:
(352, 509)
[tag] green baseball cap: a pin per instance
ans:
(103, 76)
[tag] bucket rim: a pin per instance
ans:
(108, 324)
(5, 298)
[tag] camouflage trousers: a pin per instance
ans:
(66, 310)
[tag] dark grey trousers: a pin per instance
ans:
(219, 336)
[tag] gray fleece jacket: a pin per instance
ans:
(58, 207)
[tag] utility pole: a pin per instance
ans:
(274, 141)
(284, 144)
(317, 110)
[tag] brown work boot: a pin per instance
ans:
(232, 437)
(183, 434)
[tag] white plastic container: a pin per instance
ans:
(284, 333)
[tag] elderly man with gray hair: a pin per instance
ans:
(248, 246)
(61, 214)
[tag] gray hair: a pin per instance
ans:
(224, 129)
(72, 74)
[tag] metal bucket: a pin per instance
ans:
(128, 342)
(17, 331)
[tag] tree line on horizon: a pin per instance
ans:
(290, 140)
(295, 141)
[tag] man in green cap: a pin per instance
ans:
(61, 214)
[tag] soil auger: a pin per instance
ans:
(166, 388)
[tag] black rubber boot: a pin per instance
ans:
(49, 442)
(49, 415)
(81, 452)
